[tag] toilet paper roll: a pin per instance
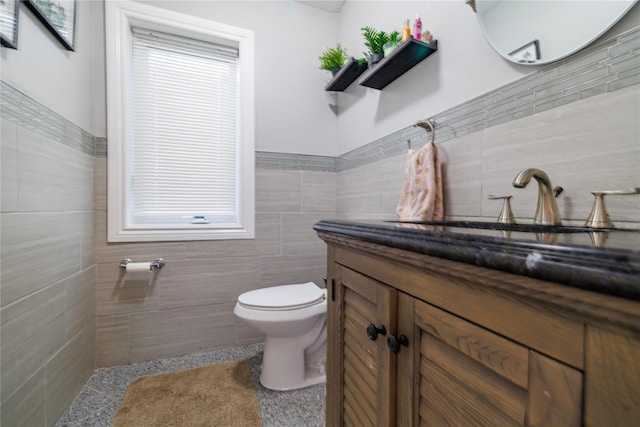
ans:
(138, 270)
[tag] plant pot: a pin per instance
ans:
(375, 58)
(389, 47)
(335, 71)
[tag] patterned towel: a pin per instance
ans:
(421, 198)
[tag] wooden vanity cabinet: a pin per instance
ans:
(483, 347)
(365, 366)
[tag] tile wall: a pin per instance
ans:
(585, 146)
(188, 306)
(47, 270)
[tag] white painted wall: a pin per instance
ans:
(293, 112)
(69, 83)
(464, 67)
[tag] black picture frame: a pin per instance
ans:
(59, 16)
(9, 23)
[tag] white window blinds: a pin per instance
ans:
(184, 159)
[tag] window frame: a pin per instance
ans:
(120, 16)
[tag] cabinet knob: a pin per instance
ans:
(394, 343)
(373, 331)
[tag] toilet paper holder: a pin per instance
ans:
(158, 263)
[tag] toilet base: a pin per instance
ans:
(283, 366)
(311, 377)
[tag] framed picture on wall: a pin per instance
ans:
(59, 16)
(9, 23)
(528, 53)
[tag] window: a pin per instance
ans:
(180, 126)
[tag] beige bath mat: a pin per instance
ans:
(215, 395)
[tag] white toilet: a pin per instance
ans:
(294, 319)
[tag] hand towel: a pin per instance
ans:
(421, 198)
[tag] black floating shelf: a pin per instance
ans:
(401, 60)
(346, 75)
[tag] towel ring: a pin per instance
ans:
(428, 125)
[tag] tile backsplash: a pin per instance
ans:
(589, 145)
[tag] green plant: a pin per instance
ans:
(333, 58)
(375, 40)
(395, 37)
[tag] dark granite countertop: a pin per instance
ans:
(606, 261)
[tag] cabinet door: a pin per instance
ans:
(361, 387)
(463, 374)
(612, 392)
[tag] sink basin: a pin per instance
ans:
(568, 234)
(523, 228)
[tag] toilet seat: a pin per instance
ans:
(284, 297)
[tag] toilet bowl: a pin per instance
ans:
(294, 320)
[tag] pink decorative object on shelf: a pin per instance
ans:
(417, 28)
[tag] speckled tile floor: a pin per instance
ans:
(98, 402)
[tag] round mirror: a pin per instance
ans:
(539, 32)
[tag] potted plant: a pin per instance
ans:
(375, 41)
(394, 40)
(333, 59)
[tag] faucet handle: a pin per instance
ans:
(557, 191)
(599, 218)
(506, 216)
(634, 190)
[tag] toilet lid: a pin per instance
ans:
(284, 297)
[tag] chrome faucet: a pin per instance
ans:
(547, 209)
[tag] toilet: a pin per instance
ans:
(294, 320)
